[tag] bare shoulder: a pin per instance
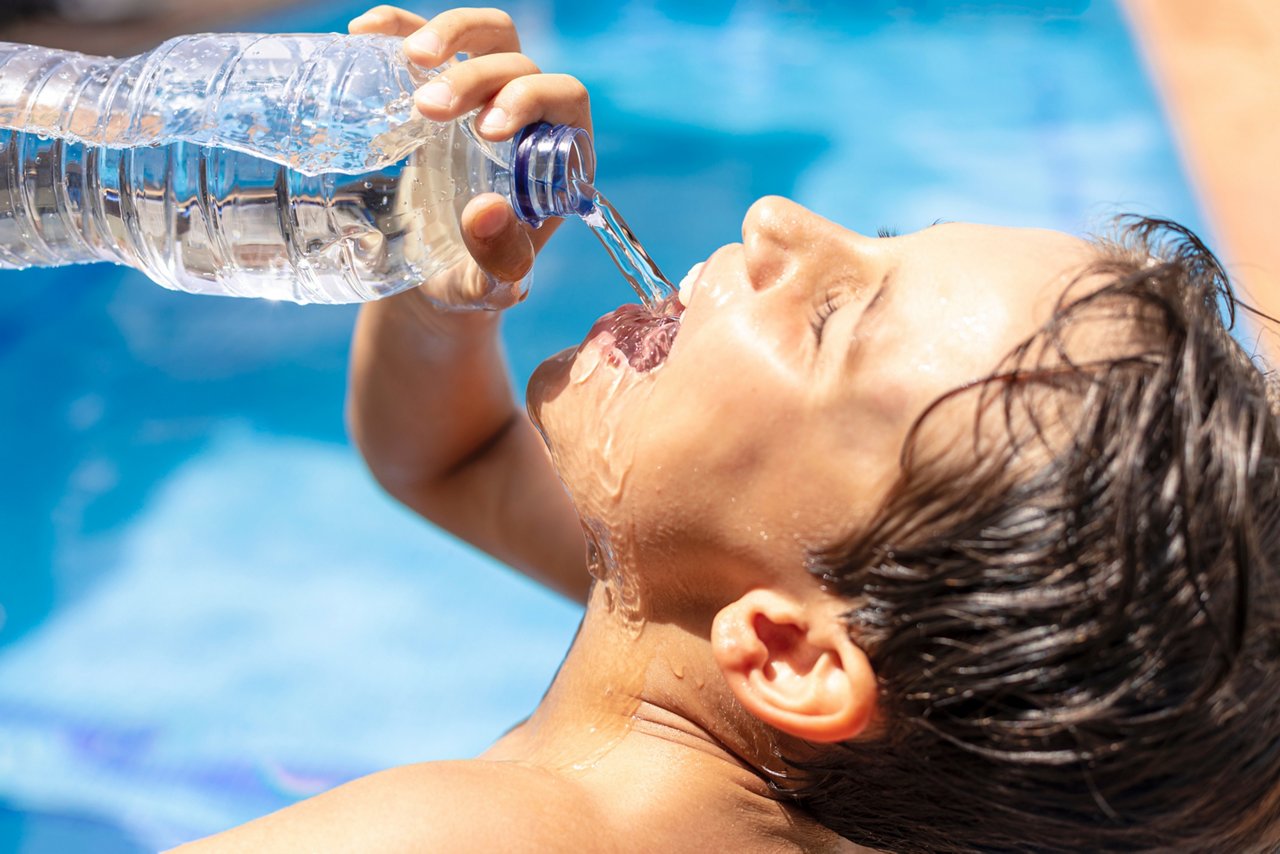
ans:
(468, 805)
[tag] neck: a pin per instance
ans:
(637, 718)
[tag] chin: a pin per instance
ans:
(595, 408)
(547, 383)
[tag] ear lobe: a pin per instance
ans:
(794, 667)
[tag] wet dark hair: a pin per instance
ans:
(1078, 636)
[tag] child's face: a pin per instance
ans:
(761, 435)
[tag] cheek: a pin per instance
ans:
(757, 482)
(706, 446)
(834, 480)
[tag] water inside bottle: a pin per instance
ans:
(630, 257)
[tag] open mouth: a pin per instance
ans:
(642, 335)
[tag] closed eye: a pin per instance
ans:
(889, 231)
(831, 302)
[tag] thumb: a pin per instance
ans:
(496, 238)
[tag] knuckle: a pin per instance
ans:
(519, 89)
(499, 18)
(447, 22)
(522, 65)
(455, 76)
(565, 89)
(466, 84)
(575, 89)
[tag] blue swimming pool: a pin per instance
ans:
(207, 611)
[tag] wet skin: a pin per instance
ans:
(774, 425)
(777, 421)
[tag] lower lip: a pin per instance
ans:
(642, 336)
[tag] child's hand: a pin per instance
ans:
(511, 92)
(431, 405)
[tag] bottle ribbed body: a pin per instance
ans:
(316, 102)
(284, 167)
(215, 221)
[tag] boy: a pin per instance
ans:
(963, 540)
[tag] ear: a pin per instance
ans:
(794, 666)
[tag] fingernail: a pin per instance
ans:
(489, 222)
(436, 93)
(425, 42)
(494, 120)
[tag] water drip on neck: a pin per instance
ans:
(616, 575)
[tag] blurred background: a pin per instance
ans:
(120, 27)
(208, 611)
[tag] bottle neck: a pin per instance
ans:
(551, 172)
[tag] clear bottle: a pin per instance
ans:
(289, 167)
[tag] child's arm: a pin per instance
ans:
(430, 402)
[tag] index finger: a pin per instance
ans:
(386, 20)
(475, 32)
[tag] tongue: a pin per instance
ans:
(645, 337)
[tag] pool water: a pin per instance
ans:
(209, 611)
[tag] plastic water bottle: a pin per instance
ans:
(290, 167)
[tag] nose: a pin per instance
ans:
(786, 242)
